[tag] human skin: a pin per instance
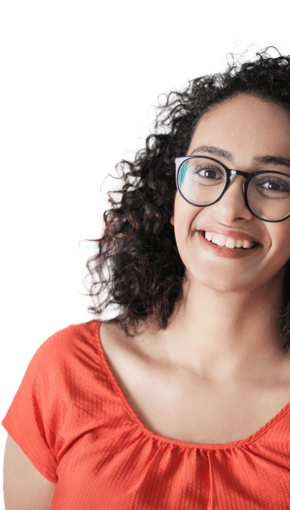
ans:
(228, 323)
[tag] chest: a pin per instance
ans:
(177, 405)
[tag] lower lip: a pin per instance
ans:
(230, 253)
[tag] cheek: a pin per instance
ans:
(185, 226)
(187, 218)
(281, 243)
(184, 214)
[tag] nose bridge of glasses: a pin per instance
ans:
(237, 173)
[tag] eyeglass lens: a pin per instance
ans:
(202, 181)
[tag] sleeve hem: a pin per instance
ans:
(40, 467)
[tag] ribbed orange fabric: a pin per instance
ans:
(74, 423)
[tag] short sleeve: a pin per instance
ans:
(34, 417)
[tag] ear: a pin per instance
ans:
(172, 220)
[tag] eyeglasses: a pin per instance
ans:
(202, 181)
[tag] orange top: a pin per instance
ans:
(71, 419)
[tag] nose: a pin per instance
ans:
(232, 205)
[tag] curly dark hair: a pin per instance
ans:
(138, 249)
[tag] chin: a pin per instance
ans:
(218, 281)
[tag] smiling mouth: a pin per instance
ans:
(235, 248)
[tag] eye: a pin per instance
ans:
(272, 186)
(208, 172)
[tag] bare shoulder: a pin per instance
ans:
(116, 342)
(24, 486)
(112, 336)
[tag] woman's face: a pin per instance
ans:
(245, 127)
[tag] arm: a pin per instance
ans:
(24, 486)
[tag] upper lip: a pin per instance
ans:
(236, 234)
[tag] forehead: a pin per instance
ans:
(245, 125)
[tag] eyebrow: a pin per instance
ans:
(267, 160)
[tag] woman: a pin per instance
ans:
(182, 400)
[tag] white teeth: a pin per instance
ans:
(229, 242)
(239, 243)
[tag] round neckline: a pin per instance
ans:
(184, 444)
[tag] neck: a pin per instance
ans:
(227, 335)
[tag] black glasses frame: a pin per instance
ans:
(229, 172)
